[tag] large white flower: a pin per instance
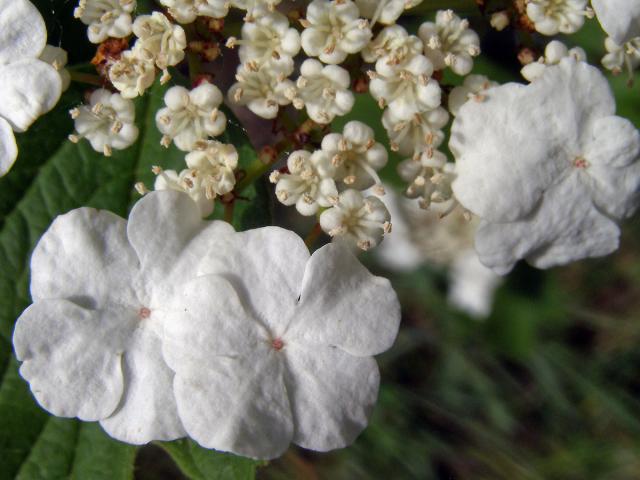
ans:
(101, 286)
(619, 18)
(29, 87)
(560, 198)
(283, 351)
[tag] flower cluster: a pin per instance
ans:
(167, 325)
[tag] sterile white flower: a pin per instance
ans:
(407, 88)
(551, 17)
(324, 91)
(57, 58)
(132, 74)
(262, 91)
(422, 133)
(449, 42)
(553, 53)
(107, 122)
(186, 11)
(334, 29)
(429, 177)
(359, 220)
(309, 183)
(282, 352)
(29, 87)
(560, 198)
(393, 43)
(384, 11)
(473, 88)
(105, 18)
(356, 155)
(213, 164)
(159, 40)
(102, 287)
(191, 116)
(619, 18)
(622, 57)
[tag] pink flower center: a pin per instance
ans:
(580, 163)
(144, 313)
(277, 344)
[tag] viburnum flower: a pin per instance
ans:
(324, 91)
(107, 122)
(57, 58)
(622, 57)
(213, 163)
(29, 87)
(384, 11)
(449, 42)
(358, 220)
(334, 29)
(282, 352)
(551, 17)
(90, 344)
(262, 91)
(553, 53)
(106, 18)
(429, 177)
(407, 88)
(159, 40)
(394, 44)
(186, 11)
(473, 88)
(191, 116)
(132, 74)
(559, 199)
(356, 155)
(619, 18)
(422, 133)
(181, 182)
(309, 184)
(251, 5)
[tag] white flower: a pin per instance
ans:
(29, 87)
(213, 164)
(183, 182)
(186, 11)
(282, 352)
(473, 88)
(429, 177)
(57, 58)
(107, 122)
(619, 18)
(268, 39)
(500, 20)
(449, 42)
(551, 17)
(357, 220)
(159, 40)
(309, 183)
(90, 344)
(407, 88)
(622, 57)
(333, 30)
(384, 11)
(324, 91)
(394, 44)
(106, 18)
(251, 5)
(356, 155)
(560, 198)
(191, 116)
(422, 133)
(132, 74)
(262, 91)
(553, 53)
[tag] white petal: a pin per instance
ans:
(23, 33)
(8, 147)
(619, 18)
(344, 305)
(332, 395)
(30, 88)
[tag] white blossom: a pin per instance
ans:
(252, 5)
(429, 177)
(262, 91)
(394, 44)
(622, 57)
(186, 11)
(384, 11)
(407, 88)
(357, 220)
(107, 122)
(473, 88)
(356, 155)
(560, 198)
(159, 40)
(551, 17)
(324, 91)
(309, 184)
(183, 182)
(422, 133)
(449, 42)
(90, 344)
(105, 18)
(553, 53)
(132, 74)
(29, 87)
(191, 116)
(282, 352)
(500, 20)
(213, 164)
(57, 58)
(619, 18)
(333, 30)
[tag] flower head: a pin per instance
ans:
(551, 17)
(159, 40)
(263, 91)
(186, 11)
(394, 44)
(106, 18)
(213, 164)
(132, 74)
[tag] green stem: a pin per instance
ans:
(313, 236)
(228, 211)
(88, 78)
